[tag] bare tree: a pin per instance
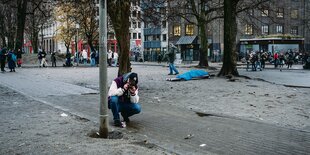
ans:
(20, 27)
(64, 14)
(40, 12)
(197, 12)
(7, 23)
(231, 10)
(86, 15)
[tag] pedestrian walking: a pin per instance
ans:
(275, 59)
(3, 55)
(264, 57)
(109, 55)
(68, 60)
(53, 59)
(43, 60)
(258, 61)
(124, 98)
(12, 58)
(253, 59)
(93, 59)
(19, 58)
(97, 58)
(171, 55)
(247, 59)
(85, 56)
(290, 60)
(40, 57)
(115, 57)
(159, 57)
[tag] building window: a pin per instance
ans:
(164, 24)
(164, 37)
(139, 24)
(280, 13)
(134, 25)
(294, 30)
(279, 28)
(139, 35)
(294, 14)
(265, 29)
(139, 14)
(134, 35)
(248, 29)
(265, 12)
(177, 30)
(134, 13)
(189, 31)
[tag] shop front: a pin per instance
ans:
(189, 48)
(271, 45)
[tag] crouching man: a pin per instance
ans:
(123, 98)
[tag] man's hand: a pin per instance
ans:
(132, 90)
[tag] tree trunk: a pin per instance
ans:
(10, 28)
(230, 32)
(203, 58)
(123, 46)
(10, 41)
(67, 47)
(119, 12)
(21, 18)
(90, 43)
(35, 41)
(34, 36)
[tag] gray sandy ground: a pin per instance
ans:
(30, 127)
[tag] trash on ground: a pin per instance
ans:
(202, 145)
(63, 115)
(189, 136)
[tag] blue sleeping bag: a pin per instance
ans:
(192, 74)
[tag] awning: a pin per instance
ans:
(184, 40)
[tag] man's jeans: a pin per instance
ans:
(126, 109)
(172, 68)
(92, 62)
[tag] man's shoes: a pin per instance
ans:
(170, 74)
(126, 119)
(176, 73)
(120, 124)
(117, 123)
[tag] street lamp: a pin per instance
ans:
(77, 26)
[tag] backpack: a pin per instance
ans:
(14, 58)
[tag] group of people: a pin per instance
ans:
(82, 58)
(42, 58)
(281, 59)
(258, 59)
(112, 58)
(11, 58)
